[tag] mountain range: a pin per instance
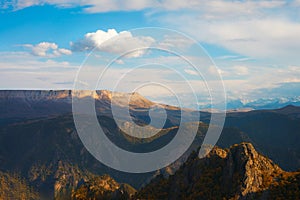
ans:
(41, 152)
(262, 103)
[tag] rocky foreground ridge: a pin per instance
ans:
(239, 172)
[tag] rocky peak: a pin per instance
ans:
(239, 172)
(246, 165)
(103, 187)
(120, 98)
(217, 152)
(245, 156)
(104, 94)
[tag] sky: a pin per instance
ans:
(252, 47)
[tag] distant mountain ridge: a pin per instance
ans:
(66, 95)
(262, 103)
(18, 105)
(139, 100)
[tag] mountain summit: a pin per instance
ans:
(239, 172)
(119, 98)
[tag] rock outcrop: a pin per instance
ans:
(239, 172)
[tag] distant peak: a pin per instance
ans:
(289, 107)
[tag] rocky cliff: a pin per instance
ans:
(239, 172)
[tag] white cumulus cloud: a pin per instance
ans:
(47, 49)
(113, 42)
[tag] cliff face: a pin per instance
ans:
(246, 168)
(28, 104)
(35, 95)
(66, 95)
(239, 172)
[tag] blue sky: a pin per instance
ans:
(255, 44)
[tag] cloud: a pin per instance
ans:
(241, 70)
(251, 28)
(227, 57)
(117, 5)
(258, 78)
(47, 49)
(233, 58)
(22, 70)
(25, 61)
(266, 34)
(90, 6)
(94, 39)
(113, 42)
(96, 6)
(224, 9)
(120, 62)
(296, 3)
(64, 51)
(289, 89)
(191, 72)
(175, 41)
